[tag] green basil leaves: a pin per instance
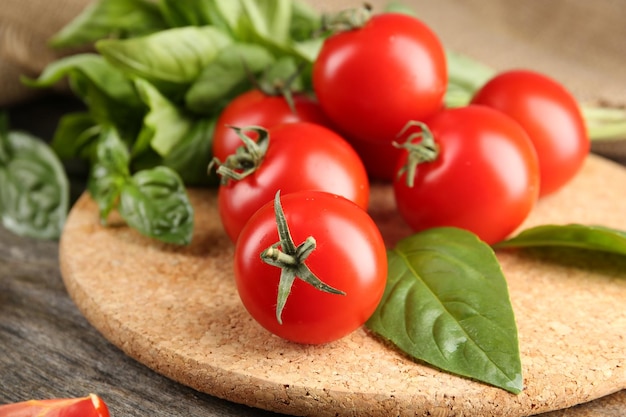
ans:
(152, 201)
(160, 75)
(34, 196)
(446, 303)
(598, 238)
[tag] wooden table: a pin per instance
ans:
(48, 349)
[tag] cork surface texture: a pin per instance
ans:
(176, 310)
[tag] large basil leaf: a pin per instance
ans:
(164, 125)
(179, 13)
(226, 76)
(109, 172)
(103, 18)
(92, 67)
(598, 238)
(156, 204)
(447, 303)
(170, 59)
(34, 192)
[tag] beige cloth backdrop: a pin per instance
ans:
(580, 42)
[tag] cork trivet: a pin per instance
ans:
(176, 310)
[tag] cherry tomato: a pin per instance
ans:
(349, 256)
(90, 406)
(551, 117)
(300, 156)
(484, 178)
(256, 108)
(372, 80)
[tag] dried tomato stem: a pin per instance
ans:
(348, 19)
(291, 261)
(246, 159)
(426, 150)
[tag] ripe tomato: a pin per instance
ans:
(485, 177)
(372, 80)
(349, 256)
(551, 117)
(300, 156)
(256, 108)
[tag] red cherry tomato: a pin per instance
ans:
(551, 117)
(485, 177)
(349, 256)
(90, 406)
(372, 80)
(300, 156)
(255, 108)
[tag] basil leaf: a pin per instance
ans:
(192, 155)
(109, 172)
(226, 76)
(90, 67)
(109, 94)
(103, 18)
(76, 136)
(34, 196)
(306, 50)
(155, 203)
(447, 303)
(465, 77)
(179, 13)
(164, 125)
(169, 59)
(598, 238)
(305, 21)
(268, 20)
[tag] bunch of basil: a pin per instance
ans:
(154, 86)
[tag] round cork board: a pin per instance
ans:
(176, 310)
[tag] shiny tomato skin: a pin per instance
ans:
(350, 256)
(371, 81)
(300, 156)
(485, 179)
(255, 108)
(550, 115)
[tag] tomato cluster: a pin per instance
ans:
(310, 264)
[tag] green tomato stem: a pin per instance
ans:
(426, 150)
(291, 261)
(246, 159)
(347, 19)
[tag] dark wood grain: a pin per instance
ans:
(48, 349)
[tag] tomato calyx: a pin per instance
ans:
(283, 87)
(348, 19)
(290, 259)
(426, 150)
(246, 159)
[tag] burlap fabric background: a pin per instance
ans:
(579, 42)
